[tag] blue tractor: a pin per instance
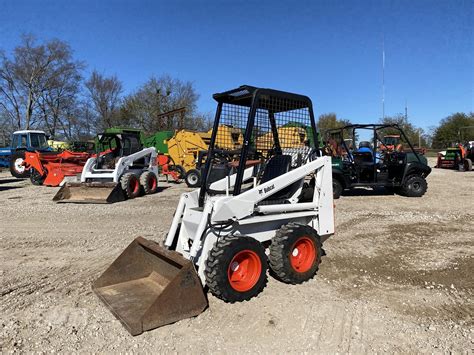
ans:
(22, 141)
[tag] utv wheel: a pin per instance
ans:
(467, 164)
(36, 178)
(295, 253)
(148, 182)
(336, 188)
(236, 268)
(16, 168)
(130, 185)
(414, 186)
(193, 178)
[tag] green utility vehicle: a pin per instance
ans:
(368, 162)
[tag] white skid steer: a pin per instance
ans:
(267, 207)
(124, 171)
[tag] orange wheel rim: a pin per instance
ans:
(134, 185)
(152, 183)
(244, 270)
(302, 254)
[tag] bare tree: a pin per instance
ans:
(104, 93)
(32, 70)
(11, 103)
(146, 107)
(59, 96)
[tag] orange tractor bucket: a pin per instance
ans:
(147, 287)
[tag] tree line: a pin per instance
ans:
(456, 128)
(43, 86)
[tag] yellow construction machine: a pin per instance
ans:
(185, 145)
(289, 137)
(186, 148)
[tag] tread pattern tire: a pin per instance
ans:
(336, 188)
(36, 178)
(467, 164)
(281, 250)
(13, 162)
(193, 178)
(180, 170)
(130, 185)
(414, 186)
(218, 263)
(149, 182)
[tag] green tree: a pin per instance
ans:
(329, 121)
(415, 135)
(451, 130)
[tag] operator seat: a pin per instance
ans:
(363, 156)
(277, 166)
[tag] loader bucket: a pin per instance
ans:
(147, 287)
(93, 192)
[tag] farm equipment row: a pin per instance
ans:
(385, 162)
(264, 200)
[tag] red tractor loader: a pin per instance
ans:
(50, 169)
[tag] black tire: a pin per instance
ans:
(220, 267)
(15, 165)
(130, 185)
(414, 186)
(467, 164)
(180, 170)
(36, 178)
(285, 264)
(148, 182)
(337, 188)
(193, 178)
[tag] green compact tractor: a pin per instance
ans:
(459, 157)
(367, 162)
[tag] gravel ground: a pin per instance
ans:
(397, 277)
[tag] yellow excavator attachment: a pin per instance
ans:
(93, 192)
(148, 286)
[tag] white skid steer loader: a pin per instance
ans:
(126, 170)
(266, 207)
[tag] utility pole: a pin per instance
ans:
(383, 77)
(406, 110)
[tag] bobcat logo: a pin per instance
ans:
(266, 189)
(269, 188)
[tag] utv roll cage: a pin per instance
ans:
(376, 128)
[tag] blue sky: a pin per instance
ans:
(328, 50)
